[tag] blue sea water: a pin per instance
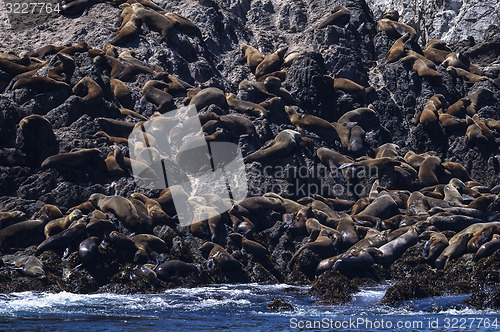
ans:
(235, 308)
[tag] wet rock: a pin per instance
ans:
(407, 289)
(279, 305)
(333, 288)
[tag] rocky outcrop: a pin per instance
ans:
(451, 21)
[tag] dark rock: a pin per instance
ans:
(333, 288)
(279, 305)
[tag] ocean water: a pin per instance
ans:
(235, 308)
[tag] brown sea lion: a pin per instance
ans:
(154, 92)
(436, 51)
(348, 86)
(246, 107)
(89, 90)
(45, 50)
(340, 16)
(254, 248)
(173, 269)
(217, 256)
(488, 248)
(286, 142)
(207, 97)
(465, 75)
(397, 247)
(435, 246)
(397, 50)
(271, 62)
(11, 217)
(121, 207)
(58, 225)
(40, 83)
(184, 24)
(155, 21)
(252, 56)
(395, 29)
(128, 31)
(421, 68)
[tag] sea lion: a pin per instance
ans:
(389, 150)
(21, 234)
(66, 238)
(396, 248)
(436, 51)
(154, 209)
(458, 60)
(252, 56)
(365, 117)
(116, 127)
(111, 139)
(150, 243)
(40, 83)
(207, 223)
(348, 86)
(286, 142)
(246, 107)
(395, 29)
(99, 224)
(65, 70)
(322, 246)
(280, 74)
(456, 247)
(482, 236)
(30, 266)
(488, 248)
(257, 88)
(11, 217)
(217, 256)
(123, 70)
(89, 90)
(155, 21)
(271, 62)
(382, 207)
(340, 16)
(429, 171)
(128, 112)
(421, 68)
(14, 68)
(397, 50)
(173, 269)
(121, 207)
(435, 246)
(207, 97)
(465, 75)
(120, 91)
(455, 223)
(128, 32)
(184, 24)
(254, 248)
(273, 86)
(79, 158)
(154, 92)
(347, 230)
(58, 225)
(313, 123)
(88, 251)
(45, 50)
(451, 122)
(458, 108)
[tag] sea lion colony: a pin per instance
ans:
(425, 201)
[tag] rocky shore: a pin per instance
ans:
(370, 152)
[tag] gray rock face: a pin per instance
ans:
(450, 21)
